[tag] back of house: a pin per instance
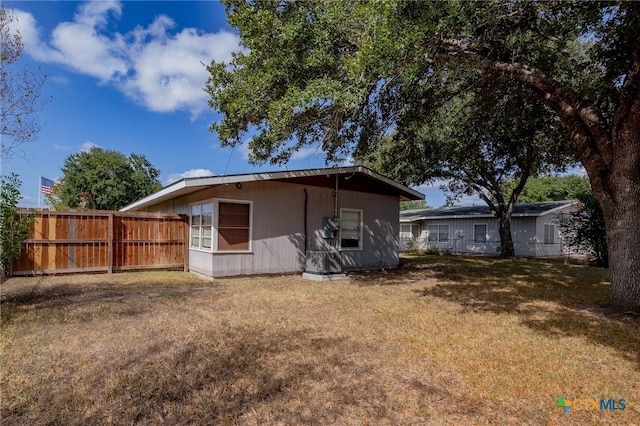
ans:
(322, 220)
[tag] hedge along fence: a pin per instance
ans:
(103, 241)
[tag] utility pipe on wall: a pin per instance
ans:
(335, 207)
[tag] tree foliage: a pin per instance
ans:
(414, 204)
(104, 180)
(20, 92)
(479, 143)
(343, 74)
(14, 227)
(584, 230)
(553, 188)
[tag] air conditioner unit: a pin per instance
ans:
(324, 262)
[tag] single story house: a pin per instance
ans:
(474, 229)
(317, 220)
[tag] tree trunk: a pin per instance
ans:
(506, 242)
(623, 240)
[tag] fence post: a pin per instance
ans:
(110, 245)
(185, 246)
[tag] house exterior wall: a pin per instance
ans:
(527, 234)
(277, 227)
(544, 249)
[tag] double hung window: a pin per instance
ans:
(233, 226)
(480, 233)
(549, 233)
(350, 229)
(438, 233)
(201, 226)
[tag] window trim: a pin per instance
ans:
(438, 240)
(544, 234)
(361, 229)
(200, 226)
(486, 231)
(414, 235)
(214, 226)
(217, 224)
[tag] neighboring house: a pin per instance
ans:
(319, 220)
(534, 229)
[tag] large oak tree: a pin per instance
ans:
(342, 74)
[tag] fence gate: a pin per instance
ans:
(102, 241)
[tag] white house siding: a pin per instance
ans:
(461, 236)
(554, 249)
(523, 233)
(277, 231)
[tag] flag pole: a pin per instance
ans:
(39, 190)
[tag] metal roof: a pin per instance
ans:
(354, 178)
(483, 211)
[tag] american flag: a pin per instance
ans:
(46, 185)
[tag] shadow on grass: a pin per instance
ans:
(229, 375)
(63, 296)
(551, 298)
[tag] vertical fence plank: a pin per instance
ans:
(110, 245)
(99, 241)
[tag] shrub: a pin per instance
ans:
(14, 227)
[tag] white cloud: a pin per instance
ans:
(161, 70)
(86, 146)
(174, 177)
(349, 161)
(59, 147)
(304, 153)
(169, 71)
(244, 150)
(435, 184)
(577, 170)
(471, 200)
(301, 154)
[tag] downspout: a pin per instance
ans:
(335, 206)
(305, 222)
(335, 214)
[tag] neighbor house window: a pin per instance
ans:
(233, 226)
(350, 229)
(438, 233)
(201, 226)
(221, 225)
(549, 233)
(480, 233)
(408, 232)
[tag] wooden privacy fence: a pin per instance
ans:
(103, 241)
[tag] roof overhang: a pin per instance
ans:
(354, 178)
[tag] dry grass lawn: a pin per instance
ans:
(442, 340)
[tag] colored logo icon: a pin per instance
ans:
(564, 405)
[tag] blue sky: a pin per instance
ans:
(129, 76)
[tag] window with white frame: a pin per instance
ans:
(221, 225)
(233, 226)
(201, 226)
(438, 233)
(549, 233)
(480, 233)
(408, 232)
(350, 229)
